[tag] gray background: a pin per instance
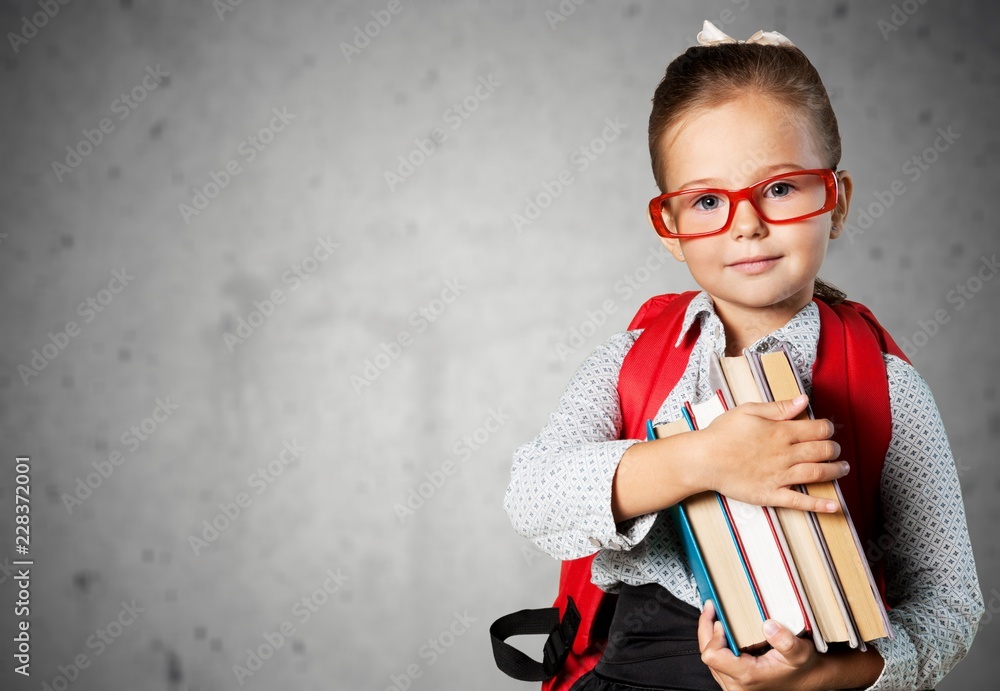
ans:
(492, 351)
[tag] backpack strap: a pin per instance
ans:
(653, 366)
(646, 363)
(516, 664)
(851, 388)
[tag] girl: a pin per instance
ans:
(752, 121)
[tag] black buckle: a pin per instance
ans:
(560, 640)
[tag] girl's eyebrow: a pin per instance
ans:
(760, 175)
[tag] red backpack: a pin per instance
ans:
(849, 387)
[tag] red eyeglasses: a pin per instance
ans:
(785, 198)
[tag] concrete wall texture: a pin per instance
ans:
(308, 333)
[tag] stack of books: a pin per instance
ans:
(805, 570)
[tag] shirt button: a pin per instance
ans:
(595, 542)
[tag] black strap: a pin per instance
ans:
(516, 664)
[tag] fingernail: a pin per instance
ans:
(802, 398)
(832, 506)
(770, 628)
(845, 467)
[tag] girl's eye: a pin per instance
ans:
(779, 189)
(707, 202)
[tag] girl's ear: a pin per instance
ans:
(673, 245)
(839, 217)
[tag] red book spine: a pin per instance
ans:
(788, 570)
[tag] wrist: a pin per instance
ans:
(700, 455)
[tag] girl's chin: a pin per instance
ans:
(762, 299)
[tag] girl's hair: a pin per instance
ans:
(707, 76)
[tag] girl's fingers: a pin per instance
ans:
(705, 625)
(815, 451)
(808, 473)
(777, 410)
(792, 499)
(810, 430)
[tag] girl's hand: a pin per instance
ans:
(757, 451)
(792, 662)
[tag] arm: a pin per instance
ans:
(784, 452)
(578, 488)
(559, 495)
(930, 570)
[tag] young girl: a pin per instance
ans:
(752, 121)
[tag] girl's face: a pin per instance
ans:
(731, 147)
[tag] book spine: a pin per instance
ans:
(854, 638)
(793, 574)
(701, 577)
(744, 559)
(695, 561)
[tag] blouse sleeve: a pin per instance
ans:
(560, 489)
(930, 570)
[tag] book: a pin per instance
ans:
(799, 547)
(852, 570)
(813, 556)
(680, 515)
(797, 567)
(758, 531)
(729, 571)
(765, 565)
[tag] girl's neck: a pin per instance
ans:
(746, 325)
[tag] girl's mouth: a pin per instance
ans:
(754, 265)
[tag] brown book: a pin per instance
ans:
(852, 570)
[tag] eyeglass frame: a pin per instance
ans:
(734, 197)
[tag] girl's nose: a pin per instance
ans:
(746, 221)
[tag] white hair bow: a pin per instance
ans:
(711, 35)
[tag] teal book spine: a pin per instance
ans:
(693, 554)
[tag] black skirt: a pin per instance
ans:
(652, 644)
